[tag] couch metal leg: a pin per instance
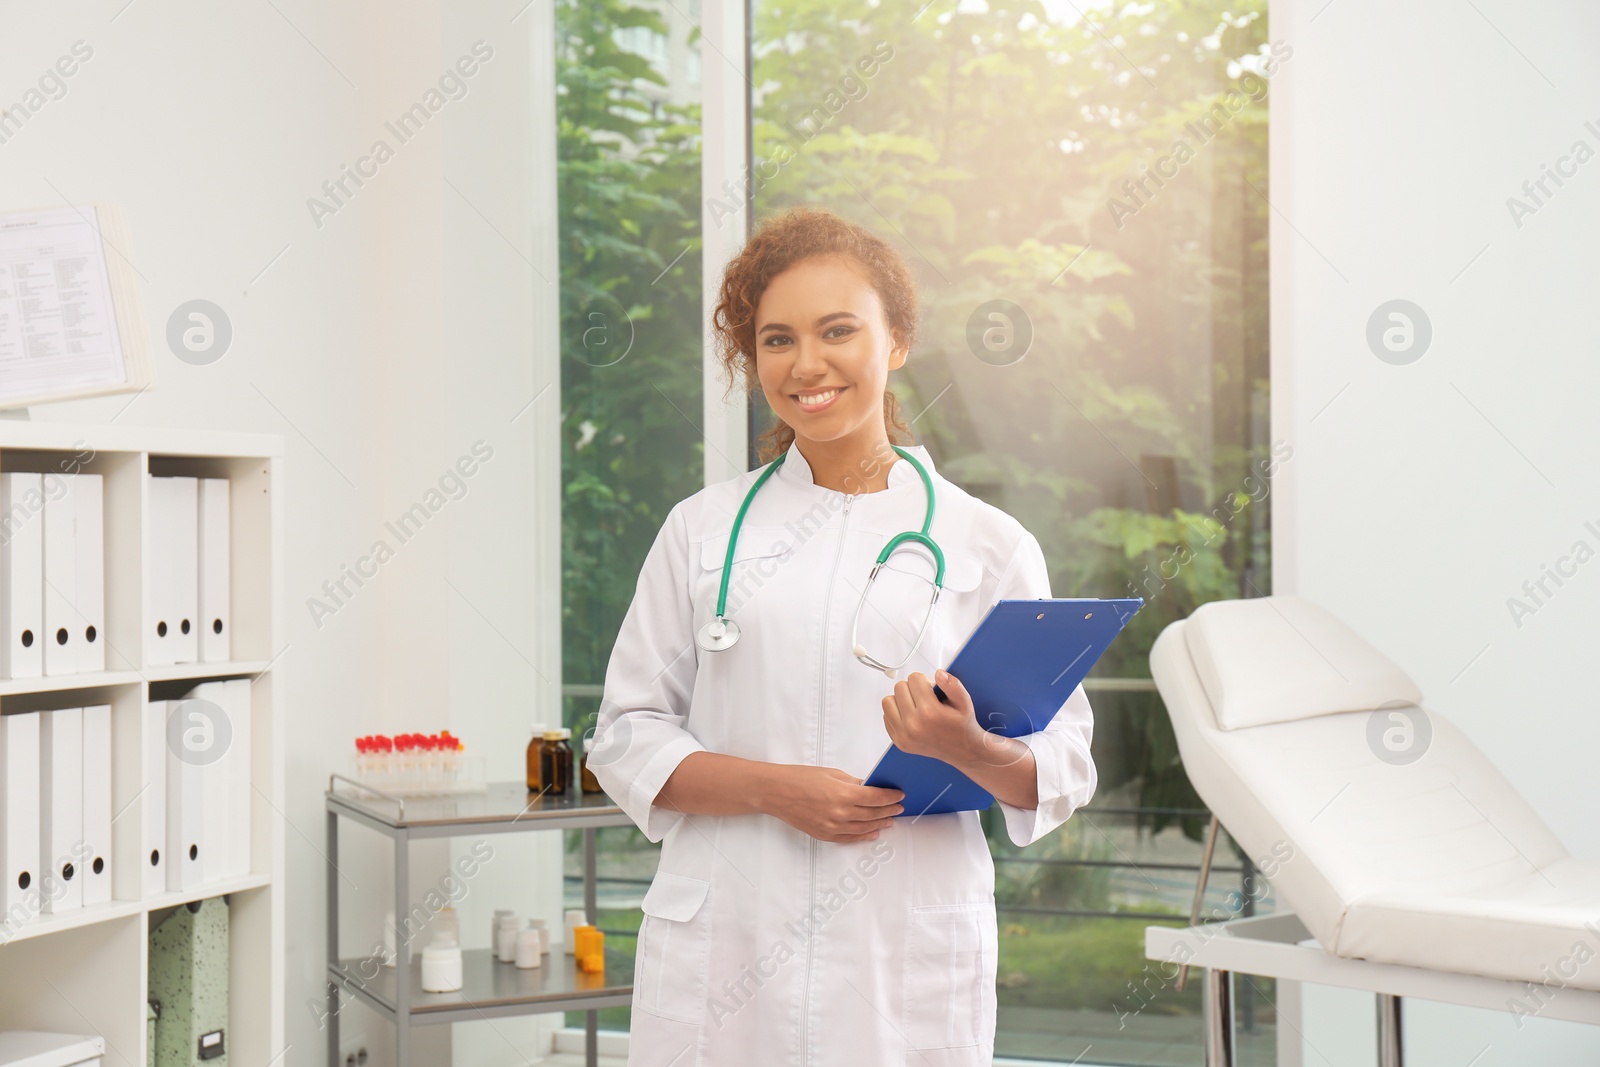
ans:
(1390, 1050)
(1200, 890)
(1217, 1000)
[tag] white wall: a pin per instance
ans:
(381, 344)
(1421, 497)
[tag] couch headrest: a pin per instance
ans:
(1282, 658)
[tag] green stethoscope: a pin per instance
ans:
(723, 633)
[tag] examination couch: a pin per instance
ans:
(1391, 837)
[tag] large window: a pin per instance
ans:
(628, 186)
(1082, 192)
(1083, 200)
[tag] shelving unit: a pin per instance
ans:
(86, 970)
(490, 989)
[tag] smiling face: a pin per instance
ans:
(824, 350)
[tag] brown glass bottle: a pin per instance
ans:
(555, 762)
(587, 782)
(535, 759)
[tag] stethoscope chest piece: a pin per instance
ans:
(718, 634)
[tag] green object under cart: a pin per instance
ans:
(189, 982)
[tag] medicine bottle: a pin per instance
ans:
(535, 759)
(587, 782)
(556, 761)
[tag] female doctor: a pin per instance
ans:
(799, 917)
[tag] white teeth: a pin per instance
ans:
(818, 398)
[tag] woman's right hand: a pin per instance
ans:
(830, 805)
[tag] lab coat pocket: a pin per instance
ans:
(674, 947)
(962, 572)
(661, 1042)
(952, 952)
(900, 623)
(759, 554)
(755, 542)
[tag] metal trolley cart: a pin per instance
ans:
(491, 989)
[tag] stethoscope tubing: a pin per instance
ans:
(722, 633)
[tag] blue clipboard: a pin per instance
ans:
(1020, 665)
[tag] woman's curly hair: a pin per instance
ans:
(779, 243)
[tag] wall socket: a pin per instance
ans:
(353, 1050)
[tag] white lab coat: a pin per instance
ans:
(760, 945)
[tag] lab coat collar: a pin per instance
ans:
(797, 472)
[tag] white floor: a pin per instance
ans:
(575, 1059)
(569, 1053)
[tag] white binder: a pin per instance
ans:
(90, 579)
(174, 577)
(21, 576)
(60, 575)
(61, 808)
(96, 851)
(241, 794)
(215, 821)
(160, 632)
(153, 800)
(186, 798)
(19, 814)
(216, 637)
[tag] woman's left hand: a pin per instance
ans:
(919, 723)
